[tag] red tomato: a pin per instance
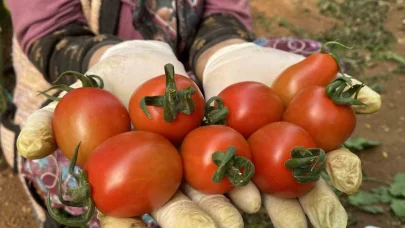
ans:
(89, 115)
(197, 150)
(133, 173)
(182, 124)
(251, 105)
(329, 124)
(271, 147)
(315, 70)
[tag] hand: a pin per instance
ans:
(250, 62)
(123, 68)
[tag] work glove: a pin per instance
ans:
(250, 62)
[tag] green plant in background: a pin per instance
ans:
(362, 26)
(373, 200)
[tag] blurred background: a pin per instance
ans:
(376, 31)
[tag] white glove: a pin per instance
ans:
(123, 68)
(250, 62)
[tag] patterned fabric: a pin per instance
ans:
(215, 29)
(44, 172)
(66, 49)
(170, 21)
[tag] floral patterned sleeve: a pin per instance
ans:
(222, 20)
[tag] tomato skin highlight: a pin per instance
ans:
(176, 130)
(329, 124)
(251, 105)
(90, 116)
(197, 150)
(271, 147)
(133, 173)
(316, 70)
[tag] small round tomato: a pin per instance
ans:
(88, 115)
(251, 105)
(133, 173)
(198, 151)
(271, 148)
(170, 105)
(328, 123)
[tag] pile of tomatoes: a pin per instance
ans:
(275, 136)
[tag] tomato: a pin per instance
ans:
(329, 124)
(176, 119)
(271, 147)
(133, 173)
(251, 105)
(197, 150)
(316, 70)
(90, 115)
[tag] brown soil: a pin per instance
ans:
(387, 126)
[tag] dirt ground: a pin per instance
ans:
(386, 126)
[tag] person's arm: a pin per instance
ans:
(224, 23)
(55, 37)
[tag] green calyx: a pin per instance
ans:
(216, 114)
(80, 197)
(306, 164)
(174, 101)
(336, 91)
(87, 81)
(229, 165)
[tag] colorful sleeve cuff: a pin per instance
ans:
(67, 49)
(215, 29)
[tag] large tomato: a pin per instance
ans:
(328, 123)
(172, 108)
(197, 152)
(271, 147)
(133, 173)
(251, 105)
(316, 70)
(88, 115)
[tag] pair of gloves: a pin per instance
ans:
(125, 66)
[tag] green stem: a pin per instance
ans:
(81, 197)
(336, 91)
(174, 101)
(217, 114)
(229, 165)
(306, 164)
(334, 56)
(87, 81)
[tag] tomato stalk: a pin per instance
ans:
(335, 90)
(306, 164)
(173, 102)
(87, 81)
(80, 197)
(215, 115)
(229, 165)
(337, 59)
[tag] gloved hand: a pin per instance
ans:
(123, 68)
(250, 62)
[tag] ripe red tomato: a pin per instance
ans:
(316, 70)
(133, 173)
(197, 150)
(329, 124)
(251, 105)
(89, 115)
(271, 147)
(182, 123)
